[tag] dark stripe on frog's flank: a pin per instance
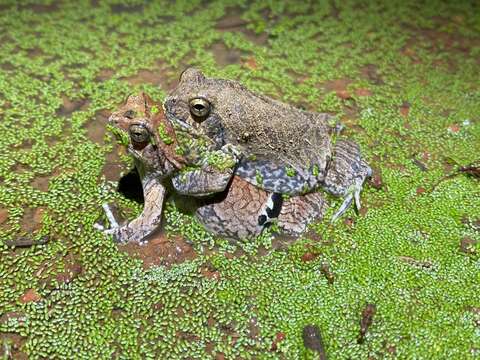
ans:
(277, 200)
(272, 210)
(262, 219)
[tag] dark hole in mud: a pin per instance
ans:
(130, 186)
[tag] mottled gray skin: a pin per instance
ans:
(279, 148)
(239, 210)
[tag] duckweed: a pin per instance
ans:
(401, 76)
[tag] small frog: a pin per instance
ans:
(239, 210)
(272, 145)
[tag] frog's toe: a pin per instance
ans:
(115, 229)
(110, 216)
(98, 227)
(352, 196)
(356, 193)
(120, 234)
(344, 207)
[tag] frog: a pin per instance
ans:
(239, 210)
(276, 146)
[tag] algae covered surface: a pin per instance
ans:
(401, 75)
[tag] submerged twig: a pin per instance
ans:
(472, 169)
(26, 241)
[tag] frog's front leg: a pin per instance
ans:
(147, 222)
(202, 181)
(346, 174)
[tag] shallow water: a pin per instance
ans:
(402, 77)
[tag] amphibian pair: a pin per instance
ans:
(250, 158)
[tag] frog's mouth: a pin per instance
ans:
(140, 135)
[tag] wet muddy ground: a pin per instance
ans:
(401, 76)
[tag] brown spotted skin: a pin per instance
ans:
(235, 212)
(236, 215)
(297, 212)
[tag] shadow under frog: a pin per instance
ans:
(239, 210)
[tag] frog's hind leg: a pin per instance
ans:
(298, 211)
(346, 174)
(147, 222)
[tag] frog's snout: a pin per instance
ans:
(113, 119)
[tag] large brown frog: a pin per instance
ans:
(271, 145)
(237, 210)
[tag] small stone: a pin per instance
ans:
(279, 336)
(210, 274)
(404, 110)
(251, 63)
(308, 256)
(37, 215)
(220, 356)
(229, 255)
(30, 295)
(454, 128)
(312, 339)
(363, 211)
(366, 321)
(391, 349)
(325, 270)
(426, 156)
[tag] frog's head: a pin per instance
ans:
(203, 106)
(134, 119)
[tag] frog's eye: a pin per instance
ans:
(129, 114)
(199, 107)
(139, 133)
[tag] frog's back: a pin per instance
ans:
(285, 145)
(284, 149)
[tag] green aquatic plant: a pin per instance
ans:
(402, 78)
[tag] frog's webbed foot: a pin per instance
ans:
(147, 222)
(346, 175)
